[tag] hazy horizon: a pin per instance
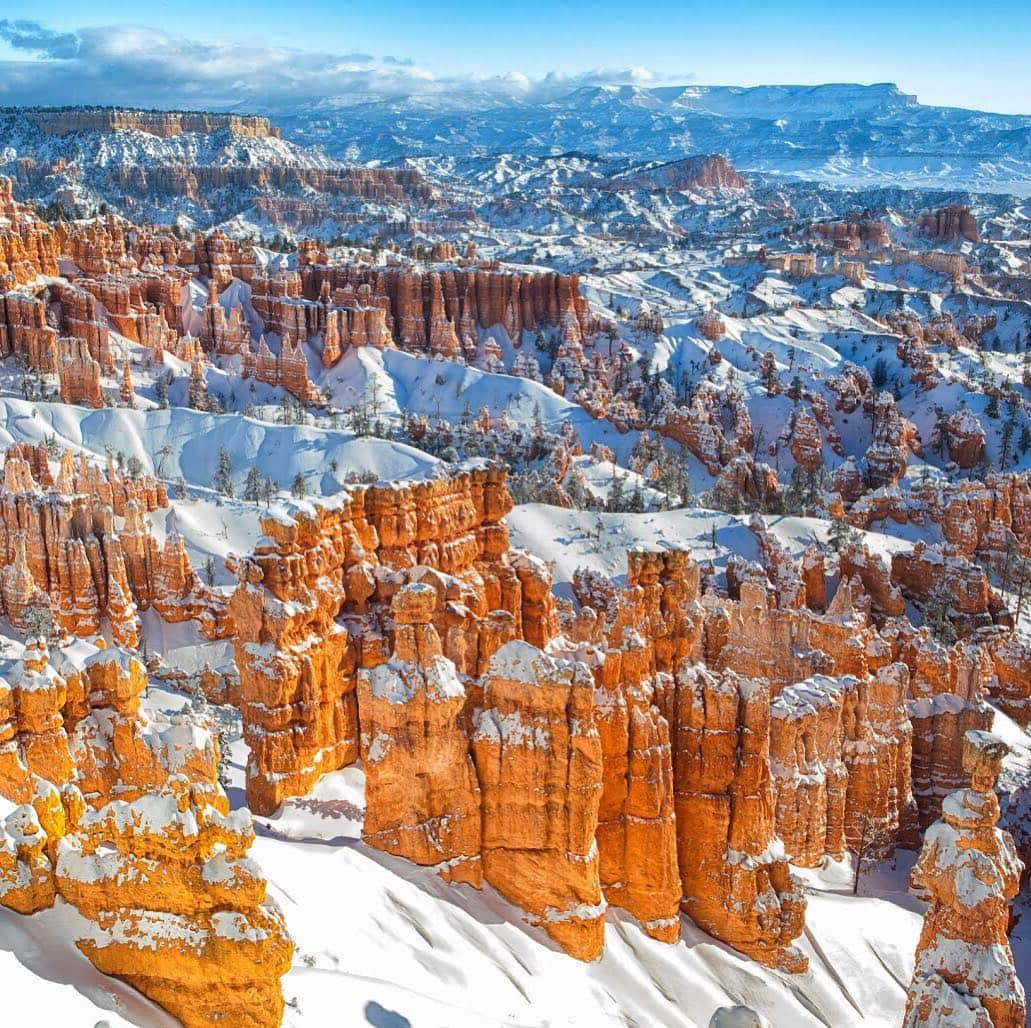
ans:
(260, 55)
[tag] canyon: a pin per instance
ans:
(635, 615)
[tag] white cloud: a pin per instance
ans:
(147, 67)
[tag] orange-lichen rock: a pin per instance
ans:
(968, 872)
(297, 666)
(26, 875)
(117, 751)
(736, 880)
(636, 833)
(421, 792)
(175, 907)
(810, 778)
(33, 740)
(539, 762)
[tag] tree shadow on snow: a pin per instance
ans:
(379, 1017)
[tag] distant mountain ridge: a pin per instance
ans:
(164, 124)
(846, 134)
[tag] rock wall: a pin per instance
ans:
(949, 223)
(175, 907)
(60, 121)
(298, 666)
(63, 553)
(539, 762)
(733, 868)
(421, 791)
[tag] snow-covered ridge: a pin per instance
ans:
(836, 133)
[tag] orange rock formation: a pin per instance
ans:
(968, 872)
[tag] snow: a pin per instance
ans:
(463, 957)
(45, 977)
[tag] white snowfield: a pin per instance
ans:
(383, 942)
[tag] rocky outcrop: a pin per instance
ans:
(539, 763)
(421, 793)
(123, 817)
(711, 325)
(431, 311)
(894, 438)
(810, 778)
(60, 121)
(175, 908)
(709, 171)
(962, 436)
(850, 236)
(296, 663)
(950, 223)
(968, 872)
(636, 833)
(298, 666)
(734, 872)
(947, 689)
(806, 441)
(64, 552)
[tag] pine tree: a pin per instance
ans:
(223, 480)
(1008, 428)
(40, 624)
(298, 490)
(840, 534)
(252, 487)
(1025, 439)
(636, 505)
(936, 616)
(616, 502)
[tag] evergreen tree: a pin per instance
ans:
(1025, 440)
(223, 480)
(880, 373)
(1005, 452)
(840, 534)
(252, 487)
(636, 505)
(40, 624)
(936, 616)
(298, 489)
(616, 499)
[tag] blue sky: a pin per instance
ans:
(194, 53)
